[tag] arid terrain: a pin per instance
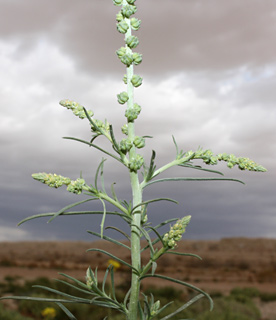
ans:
(225, 264)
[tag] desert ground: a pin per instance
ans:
(225, 264)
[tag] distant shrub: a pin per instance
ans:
(267, 296)
(11, 315)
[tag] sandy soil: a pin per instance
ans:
(225, 264)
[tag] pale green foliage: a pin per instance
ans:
(134, 211)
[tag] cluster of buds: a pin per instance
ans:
(52, 180)
(243, 163)
(91, 279)
(76, 186)
(104, 126)
(175, 233)
(76, 108)
(56, 181)
(136, 163)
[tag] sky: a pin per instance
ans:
(209, 79)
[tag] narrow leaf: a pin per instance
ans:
(109, 239)
(49, 214)
(66, 311)
(185, 306)
(192, 179)
(94, 146)
(182, 283)
(120, 231)
(153, 200)
(69, 207)
(185, 254)
(200, 168)
(114, 257)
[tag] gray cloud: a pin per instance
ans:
(209, 75)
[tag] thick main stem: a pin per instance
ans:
(136, 199)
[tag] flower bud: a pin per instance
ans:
(136, 163)
(117, 2)
(76, 108)
(121, 52)
(105, 126)
(128, 10)
(122, 97)
(135, 23)
(136, 80)
(137, 58)
(122, 26)
(125, 145)
(175, 233)
(132, 114)
(154, 308)
(131, 1)
(125, 79)
(132, 42)
(76, 186)
(127, 59)
(125, 129)
(139, 142)
(119, 17)
(52, 180)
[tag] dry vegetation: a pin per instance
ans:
(226, 264)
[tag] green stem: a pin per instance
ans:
(136, 199)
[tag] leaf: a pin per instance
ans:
(120, 231)
(192, 179)
(182, 283)
(153, 200)
(115, 144)
(100, 166)
(94, 146)
(66, 311)
(103, 218)
(185, 254)
(187, 165)
(69, 207)
(116, 258)
(109, 239)
(75, 298)
(49, 214)
(185, 306)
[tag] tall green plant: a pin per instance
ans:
(133, 211)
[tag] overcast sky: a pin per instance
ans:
(209, 70)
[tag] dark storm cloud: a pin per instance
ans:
(209, 77)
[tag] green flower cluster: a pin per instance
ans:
(76, 186)
(243, 163)
(103, 126)
(136, 163)
(56, 181)
(175, 233)
(76, 108)
(52, 180)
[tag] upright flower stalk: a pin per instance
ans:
(135, 305)
(126, 23)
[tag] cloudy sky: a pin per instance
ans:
(209, 70)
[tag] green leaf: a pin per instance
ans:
(115, 144)
(103, 218)
(69, 207)
(74, 287)
(185, 306)
(182, 283)
(192, 179)
(185, 254)
(109, 239)
(66, 311)
(116, 258)
(75, 298)
(120, 231)
(187, 165)
(94, 146)
(100, 167)
(153, 200)
(49, 214)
